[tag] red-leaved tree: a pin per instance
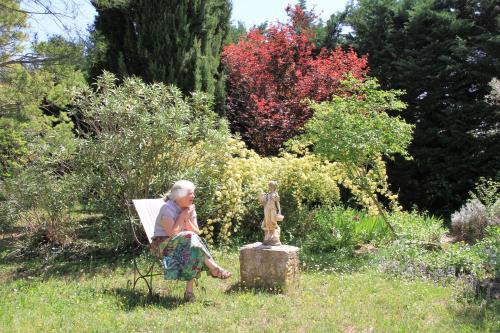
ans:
(272, 73)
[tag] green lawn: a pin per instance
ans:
(80, 298)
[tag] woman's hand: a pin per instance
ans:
(190, 222)
(191, 209)
(185, 221)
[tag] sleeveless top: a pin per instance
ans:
(171, 210)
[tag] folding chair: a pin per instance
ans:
(148, 211)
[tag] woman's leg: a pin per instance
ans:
(188, 294)
(215, 269)
(210, 263)
(189, 286)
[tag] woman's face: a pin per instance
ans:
(187, 200)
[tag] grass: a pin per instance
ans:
(85, 296)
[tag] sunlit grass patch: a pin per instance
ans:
(335, 300)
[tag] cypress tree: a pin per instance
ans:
(172, 41)
(443, 53)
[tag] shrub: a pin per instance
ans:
(331, 229)
(410, 256)
(488, 192)
(339, 228)
(480, 211)
(305, 183)
(417, 227)
(470, 221)
(490, 247)
(40, 201)
(270, 74)
(356, 129)
(139, 139)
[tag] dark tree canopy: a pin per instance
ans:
(177, 42)
(444, 54)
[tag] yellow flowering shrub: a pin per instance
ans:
(304, 182)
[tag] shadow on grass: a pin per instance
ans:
(239, 287)
(82, 257)
(478, 314)
(132, 299)
(84, 264)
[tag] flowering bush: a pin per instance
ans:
(413, 261)
(304, 183)
(141, 138)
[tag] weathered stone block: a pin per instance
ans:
(275, 267)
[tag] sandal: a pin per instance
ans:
(220, 273)
(189, 296)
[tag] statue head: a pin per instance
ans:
(273, 186)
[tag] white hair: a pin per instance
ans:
(179, 190)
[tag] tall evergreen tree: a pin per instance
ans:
(236, 31)
(443, 53)
(169, 41)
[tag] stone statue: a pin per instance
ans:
(272, 215)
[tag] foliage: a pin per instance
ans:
(140, 139)
(332, 31)
(416, 227)
(337, 228)
(487, 191)
(13, 147)
(479, 212)
(235, 33)
(418, 252)
(34, 125)
(305, 182)
(40, 201)
(175, 42)
(494, 96)
(33, 134)
(412, 260)
(470, 221)
(36, 135)
(356, 129)
(271, 72)
(444, 55)
(12, 35)
(490, 247)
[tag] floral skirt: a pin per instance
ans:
(184, 256)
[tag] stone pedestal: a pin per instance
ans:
(269, 267)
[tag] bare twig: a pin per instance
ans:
(47, 10)
(30, 58)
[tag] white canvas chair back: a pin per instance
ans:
(148, 211)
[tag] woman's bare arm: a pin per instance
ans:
(173, 227)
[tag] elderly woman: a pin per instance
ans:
(185, 253)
